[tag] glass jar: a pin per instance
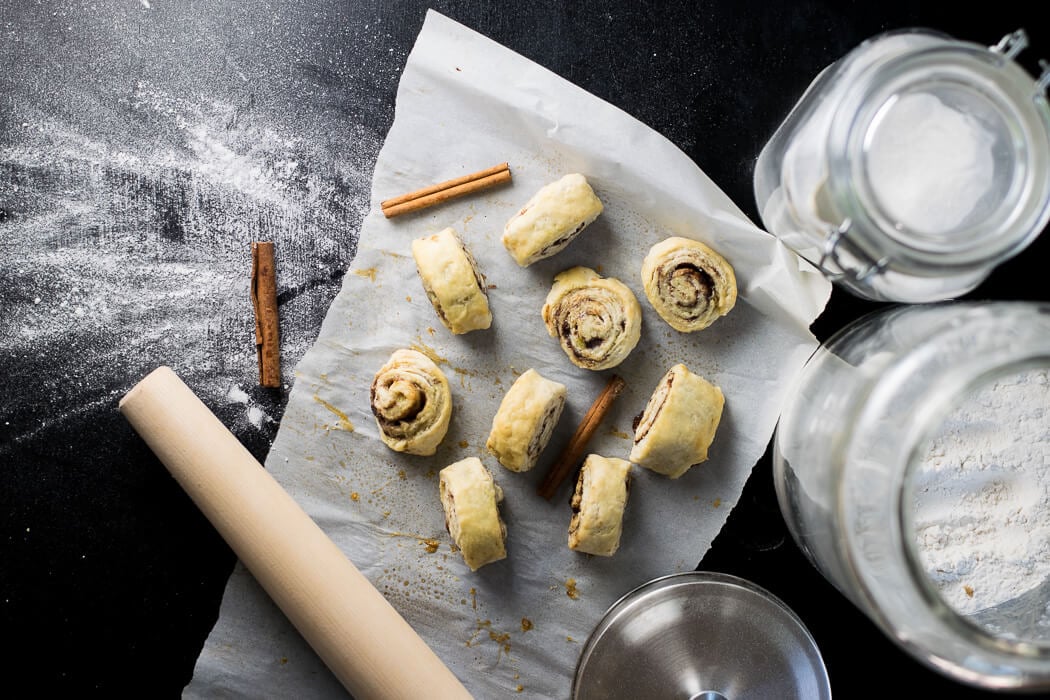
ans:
(913, 166)
(851, 450)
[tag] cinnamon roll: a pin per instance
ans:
(551, 219)
(412, 403)
(597, 320)
(469, 497)
(598, 505)
(452, 282)
(525, 421)
(688, 284)
(678, 424)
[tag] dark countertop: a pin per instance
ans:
(129, 131)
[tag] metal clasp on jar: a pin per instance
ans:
(860, 268)
(1014, 43)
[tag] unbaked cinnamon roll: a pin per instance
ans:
(688, 284)
(678, 424)
(469, 496)
(526, 418)
(598, 505)
(551, 219)
(597, 319)
(412, 403)
(452, 282)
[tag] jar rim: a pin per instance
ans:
(1000, 83)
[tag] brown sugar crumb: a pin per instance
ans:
(570, 589)
(969, 591)
(401, 474)
(464, 443)
(526, 624)
(520, 688)
(355, 496)
(432, 545)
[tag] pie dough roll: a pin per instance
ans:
(469, 496)
(452, 282)
(678, 424)
(597, 320)
(551, 219)
(525, 420)
(688, 284)
(598, 504)
(412, 403)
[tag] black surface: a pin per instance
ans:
(109, 577)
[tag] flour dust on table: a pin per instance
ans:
(131, 249)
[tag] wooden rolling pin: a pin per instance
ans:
(351, 626)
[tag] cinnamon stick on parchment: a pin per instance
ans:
(444, 191)
(264, 301)
(570, 456)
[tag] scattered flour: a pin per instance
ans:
(129, 249)
(982, 513)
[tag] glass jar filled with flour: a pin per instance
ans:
(912, 167)
(912, 465)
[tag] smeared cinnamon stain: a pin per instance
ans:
(598, 269)
(474, 598)
(619, 433)
(520, 688)
(370, 273)
(430, 330)
(401, 474)
(570, 589)
(429, 352)
(344, 420)
(717, 503)
(526, 624)
(502, 639)
(431, 473)
(430, 544)
(284, 660)
(570, 640)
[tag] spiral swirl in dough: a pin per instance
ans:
(412, 403)
(597, 319)
(689, 285)
(678, 425)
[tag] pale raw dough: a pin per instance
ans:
(525, 421)
(689, 284)
(598, 505)
(597, 319)
(551, 219)
(452, 282)
(678, 424)
(412, 403)
(470, 496)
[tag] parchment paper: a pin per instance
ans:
(515, 627)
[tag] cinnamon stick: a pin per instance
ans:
(570, 456)
(444, 191)
(264, 302)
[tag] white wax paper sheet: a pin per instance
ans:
(516, 627)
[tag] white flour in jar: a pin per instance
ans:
(982, 495)
(928, 163)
